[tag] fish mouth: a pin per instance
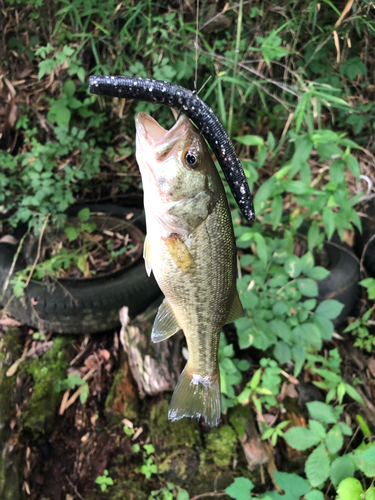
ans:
(152, 135)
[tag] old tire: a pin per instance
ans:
(75, 306)
(342, 282)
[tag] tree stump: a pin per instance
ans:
(155, 367)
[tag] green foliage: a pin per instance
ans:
(359, 328)
(240, 489)
(274, 433)
(170, 492)
(148, 467)
(369, 284)
(326, 434)
(104, 481)
(73, 381)
(231, 370)
(38, 182)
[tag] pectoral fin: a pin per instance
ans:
(180, 253)
(236, 310)
(165, 324)
(147, 255)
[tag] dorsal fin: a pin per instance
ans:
(236, 309)
(165, 324)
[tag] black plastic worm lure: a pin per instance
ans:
(146, 89)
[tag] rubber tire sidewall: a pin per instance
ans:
(80, 306)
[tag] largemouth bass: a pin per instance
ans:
(190, 248)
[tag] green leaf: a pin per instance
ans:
(334, 439)
(345, 429)
(84, 393)
(293, 266)
(72, 233)
(69, 88)
(370, 493)
(368, 455)
(322, 412)
(263, 195)
(317, 466)
(317, 428)
(301, 438)
(329, 308)
(293, 485)
(240, 489)
(298, 354)
(307, 287)
(262, 251)
(182, 494)
(276, 211)
(341, 391)
(317, 273)
(350, 489)
(354, 394)
(314, 495)
(367, 467)
(364, 427)
(270, 141)
(307, 262)
(282, 352)
(325, 326)
(250, 140)
(352, 163)
(329, 221)
(149, 448)
(342, 468)
(84, 214)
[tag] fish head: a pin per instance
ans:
(175, 164)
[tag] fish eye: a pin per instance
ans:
(192, 159)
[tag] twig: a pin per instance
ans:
(38, 252)
(74, 487)
(342, 248)
(6, 283)
(235, 64)
(220, 13)
(213, 494)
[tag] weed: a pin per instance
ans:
(104, 481)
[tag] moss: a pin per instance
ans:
(172, 435)
(38, 417)
(10, 464)
(221, 444)
(10, 351)
(122, 489)
(180, 467)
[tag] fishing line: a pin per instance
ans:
(196, 47)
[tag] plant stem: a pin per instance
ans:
(236, 56)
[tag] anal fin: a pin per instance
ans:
(165, 324)
(236, 309)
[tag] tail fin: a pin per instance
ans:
(195, 396)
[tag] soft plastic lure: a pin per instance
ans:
(169, 94)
